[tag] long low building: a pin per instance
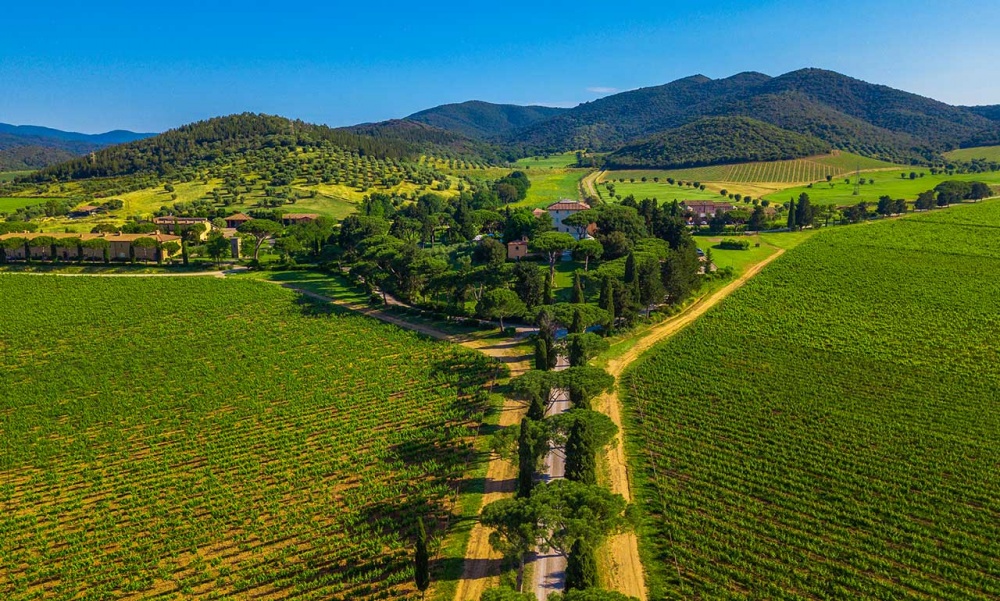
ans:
(120, 246)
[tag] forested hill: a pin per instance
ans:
(222, 137)
(484, 120)
(33, 147)
(990, 111)
(716, 140)
(29, 158)
(117, 136)
(848, 113)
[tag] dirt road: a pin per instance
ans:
(620, 556)
(588, 185)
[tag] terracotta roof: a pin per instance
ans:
(568, 205)
(239, 217)
(172, 219)
(109, 237)
(300, 216)
(538, 212)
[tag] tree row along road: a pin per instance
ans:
(619, 558)
(550, 568)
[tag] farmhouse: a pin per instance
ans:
(236, 220)
(517, 249)
(707, 208)
(298, 218)
(173, 224)
(563, 209)
(69, 247)
(84, 211)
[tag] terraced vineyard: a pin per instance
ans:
(219, 439)
(841, 444)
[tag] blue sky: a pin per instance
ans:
(95, 66)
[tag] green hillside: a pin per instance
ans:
(717, 140)
(988, 153)
(483, 120)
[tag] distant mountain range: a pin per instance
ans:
(847, 113)
(692, 121)
(27, 147)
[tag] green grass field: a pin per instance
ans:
(661, 191)
(9, 204)
(842, 447)
(195, 437)
(552, 161)
(551, 185)
(889, 183)
(6, 176)
(990, 153)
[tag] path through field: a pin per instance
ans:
(588, 185)
(620, 556)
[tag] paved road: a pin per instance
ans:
(550, 568)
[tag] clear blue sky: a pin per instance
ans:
(150, 66)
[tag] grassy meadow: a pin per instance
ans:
(990, 153)
(6, 176)
(565, 160)
(195, 437)
(843, 447)
(895, 184)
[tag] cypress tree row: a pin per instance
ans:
(791, 214)
(581, 567)
(581, 457)
(422, 573)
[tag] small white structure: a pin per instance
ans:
(563, 209)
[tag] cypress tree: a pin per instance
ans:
(547, 297)
(577, 289)
(791, 215)
(606, 300)
(581, 567)
(581, 458)
(631, 273)
(577, 327)
(422, 573)
(536, 410)
(525, 461)
(184, 251)
(541, 354)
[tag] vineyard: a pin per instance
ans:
(794, 171)
(189, 437)
(843, 444)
